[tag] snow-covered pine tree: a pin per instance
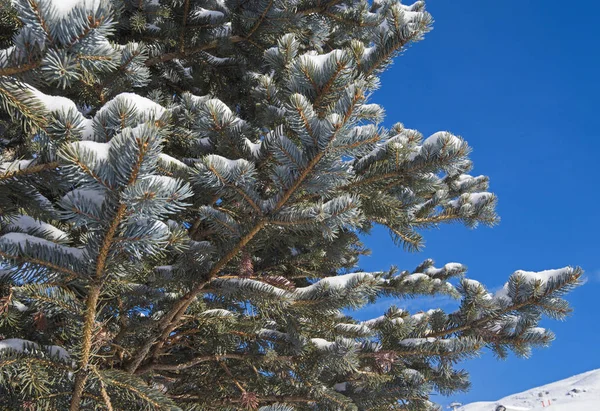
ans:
(183, 188)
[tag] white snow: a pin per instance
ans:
(253, 147)
(353, 328)
(476, 198)
(20, 345)
(531, 276)
(13, 166)
(19, 306)
(63, 7)
(435, 140)
(169, 161)
(543, 276)
(6, 55)
(217, 312)
(321, 59)
(142, 104)
(453, 266)
(373, 321)
(417, 341)
(321, 343)
(578, 393)
(272, 334)
(54, 103)
(339, 281)
(21, 240)
(100, 150)
(26, 223)
(473, 199)
(92, 195)
(472, 283)
(212, 15)
(415, 277)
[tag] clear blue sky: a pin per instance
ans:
(518, 81)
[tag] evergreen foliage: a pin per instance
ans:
(183, 188)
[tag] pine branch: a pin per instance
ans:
(91, 306)
(229, 401)
(41, 263)
(94, 293)
(187, 53)
(29, 170)
(477, 324)
(260, 19)
(11, 71)
(170, 320)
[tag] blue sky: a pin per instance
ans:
(519, 82)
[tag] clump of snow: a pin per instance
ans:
(415, 277)
(544, 276)
(321, 343)
(211, 15)
(22, 240)
(28, 224)
(320, 60)
(15, 166)
(531, 276)
(339, 281)
(454, 266)
(472, 283)
(474, 199)
(442, 138)
(171, 162)
(253, 147)
(143, 105)
(353, 328)
(54, 103)
(417, 341)
(23, 346)
(273, 334)
(94, 196)
(378, 320)
(64, 7)
(100, 150)
(374, 321)
(217, 312)
(19, 306)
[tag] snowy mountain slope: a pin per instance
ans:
(578, 393)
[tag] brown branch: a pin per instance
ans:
(177, 55)
(91, 306)
(237, 189)
(186, 10)
(260, 20)
(436, 218)
(29, 170)
(198, 360)
(94, 294)
(327, 86)
(11, 71)
(224, 366)
(265, 399)
(103, 393)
